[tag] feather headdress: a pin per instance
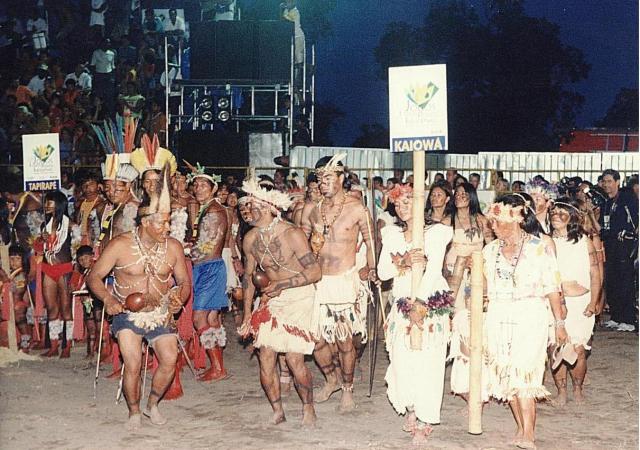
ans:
(126, 173)
(549, 190)
(274, 198)
(150, 156)
(117, 140)
(332, 164)
(197, 171)
(160, 197)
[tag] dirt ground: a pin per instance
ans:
(50, 405)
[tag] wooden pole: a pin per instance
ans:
(11, 326)
(417, 230)
(475, 346)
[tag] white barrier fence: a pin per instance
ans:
(515, 165)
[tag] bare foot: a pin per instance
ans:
(410, 423)
(561, 400)
(278, 417)
(526, 444)
(323, 394)
(154, 415)
(308, 416)
(134, 423)
(420, 435)
(346, 401)
(518, 437)
(578, 395)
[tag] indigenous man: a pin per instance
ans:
(333, 225)
(209, 271)
(287, 317)
(143, 263)
(121, 216)
(91, 201)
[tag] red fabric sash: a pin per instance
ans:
(39, 306)
(78, 318)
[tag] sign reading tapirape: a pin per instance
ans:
(41, 160)
(418, 108)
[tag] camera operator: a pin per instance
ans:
(619, 219)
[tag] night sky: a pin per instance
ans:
(606, 31)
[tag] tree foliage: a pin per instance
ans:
(326, 115)
(372, 136)
(623, 113)
(509, 76)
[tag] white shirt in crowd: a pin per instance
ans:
(226, 12)
(178, 26)
(103, 60)
(38, 25)
(83, 81)
(36, 85)
(97, 18)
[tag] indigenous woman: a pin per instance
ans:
(415, 377)
(471, 231)
(543, 194)
(581, 285)
(57, 268)
(438, 208)
(521, 273)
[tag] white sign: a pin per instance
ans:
(418, 108)
(41, 160)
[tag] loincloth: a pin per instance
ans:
(338, 289)
(209, 285)
(287, 323)
(57, 271)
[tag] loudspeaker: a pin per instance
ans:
(235, 50)
(274, 50)
(219, 148)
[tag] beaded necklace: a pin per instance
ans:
(203, 209)
(327, 226)
(267, 251)
(509, 275)
(152, 260)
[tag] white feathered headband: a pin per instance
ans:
(278, 201)
(332, 164)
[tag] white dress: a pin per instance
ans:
(517, 319)
(573, 262)
(415, 378)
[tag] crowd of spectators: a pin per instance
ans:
(76, 63)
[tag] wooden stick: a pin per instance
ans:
(417, 230)
(475, 346)
(11, 326)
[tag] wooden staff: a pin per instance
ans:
(475, 346)
(417, 230)
(11, 326)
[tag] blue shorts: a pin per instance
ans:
(121, 322)
(210, 286)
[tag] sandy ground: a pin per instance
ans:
(50, 405)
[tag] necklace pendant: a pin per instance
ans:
(325, 230)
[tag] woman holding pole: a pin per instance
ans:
(415, 376)
(521, 272)
(471, 231)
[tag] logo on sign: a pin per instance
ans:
(421, 94)
(43, 152)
